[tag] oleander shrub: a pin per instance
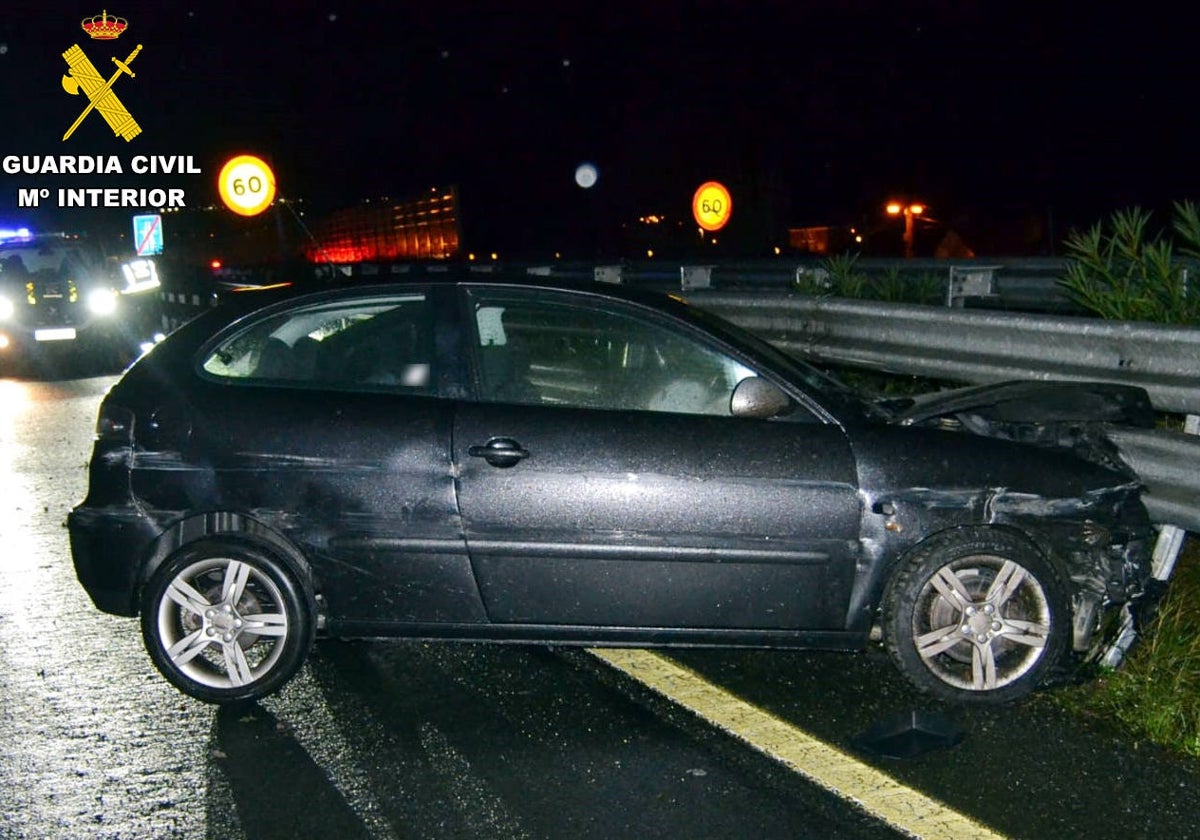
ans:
(1128, 270)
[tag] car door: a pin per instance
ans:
(602, 481)
(326, 422)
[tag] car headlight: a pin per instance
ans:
(102, 301)
(6, 308)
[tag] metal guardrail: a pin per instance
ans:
(972, 345)
(1010, 283)
(1169, 464)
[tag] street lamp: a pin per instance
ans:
(909, 211)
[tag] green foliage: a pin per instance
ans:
(841, 276)
(844, 277)
(893, 287)
(873, 384)
(1123, 272)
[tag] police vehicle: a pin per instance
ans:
(62, 299)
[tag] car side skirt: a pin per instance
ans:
(602, 636)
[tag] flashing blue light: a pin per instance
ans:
(19, 235)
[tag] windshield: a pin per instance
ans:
(32, 258)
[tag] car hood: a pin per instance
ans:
(920, 460)
(1072, 416)
(1029, 402)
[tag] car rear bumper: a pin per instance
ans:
(107, 547)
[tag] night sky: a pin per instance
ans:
(1001, 117)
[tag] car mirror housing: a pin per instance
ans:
(756, 397)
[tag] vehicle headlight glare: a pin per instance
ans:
(6, 309)
(102, 302)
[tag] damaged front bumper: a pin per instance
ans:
(1109, 580)
(1103, 541)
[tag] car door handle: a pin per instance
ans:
(499, 452)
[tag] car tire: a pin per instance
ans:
(976, 615)
(200, 612)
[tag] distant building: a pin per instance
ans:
(424, 228)
(823, 240)
(930, 240)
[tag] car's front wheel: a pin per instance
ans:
(976, 615)
(225, 621)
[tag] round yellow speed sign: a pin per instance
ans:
(711, 206)
(246, 185)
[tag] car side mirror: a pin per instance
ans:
(756, 397)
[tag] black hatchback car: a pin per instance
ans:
(490, 460)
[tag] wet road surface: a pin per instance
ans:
(393, 740)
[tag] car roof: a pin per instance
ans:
(249, 298)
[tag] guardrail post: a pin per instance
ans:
(608, 274)
(695, 277)
(818, 277)
(971, 281)
(1162, 565)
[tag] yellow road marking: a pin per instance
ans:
(875, 792)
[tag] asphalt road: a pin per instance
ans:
(393, 740)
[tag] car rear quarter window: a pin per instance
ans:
(380, 343)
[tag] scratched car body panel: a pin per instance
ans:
(512, 461)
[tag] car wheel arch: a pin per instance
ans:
(235, 526)
(959, 532)
(985, 529)
(894, 518)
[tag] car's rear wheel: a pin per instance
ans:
(976, 615)
(226, 621)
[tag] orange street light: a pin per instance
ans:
(895, 208)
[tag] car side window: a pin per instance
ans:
(377, 343)
(549, 352)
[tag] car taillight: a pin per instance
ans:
(115, 424)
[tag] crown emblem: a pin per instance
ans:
(104, 28)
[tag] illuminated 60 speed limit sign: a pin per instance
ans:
(246, 185)
(711, 206)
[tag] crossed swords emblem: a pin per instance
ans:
(84, 76)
